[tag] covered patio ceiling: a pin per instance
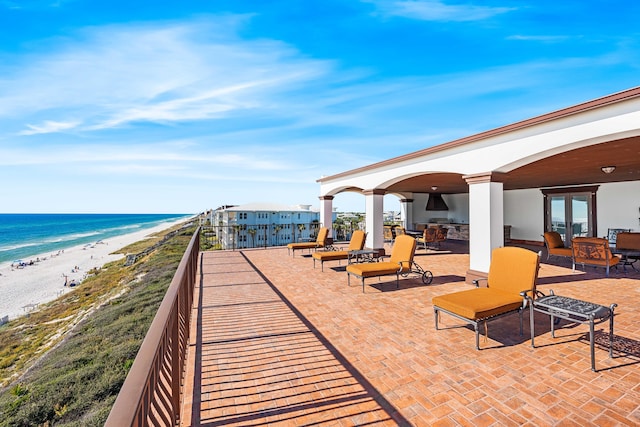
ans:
(576, 167)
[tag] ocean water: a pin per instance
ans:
(26, 235)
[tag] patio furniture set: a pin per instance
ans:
(510, 286)
(433, 237)
(364, 263)
(620, 247)
(429, 237)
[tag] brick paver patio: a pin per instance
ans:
(277, 342)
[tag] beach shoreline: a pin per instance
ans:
(23, 289)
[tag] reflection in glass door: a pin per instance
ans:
(580, 216)
(558, 215)
(570, 214)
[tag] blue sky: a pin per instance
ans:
(178, 107)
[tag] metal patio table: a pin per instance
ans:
(577, 311)
(363, 255)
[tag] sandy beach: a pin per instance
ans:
(23, 289)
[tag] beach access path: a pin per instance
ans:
(23, 289)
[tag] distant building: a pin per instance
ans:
(394, 217)
(264, 224)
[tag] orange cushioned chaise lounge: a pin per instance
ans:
(512, 275)
(401, 262)
(355, 244)
(321, 242)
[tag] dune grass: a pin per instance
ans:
(64, 364)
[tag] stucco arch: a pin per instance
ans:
(343, 189)
(567, 147)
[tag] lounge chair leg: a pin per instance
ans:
(531, 321)
(436, 314)
(593, 353)
(475, 326)
(363, 285)
(612, 307)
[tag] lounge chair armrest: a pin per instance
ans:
(476, 282)
(401, 263)
(526, 299)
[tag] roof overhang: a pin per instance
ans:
(565, 147)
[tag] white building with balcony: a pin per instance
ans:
(264, 224)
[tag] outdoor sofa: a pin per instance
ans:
(593, 251)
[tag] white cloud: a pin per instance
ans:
(545, 39)
(48, 126)
(437, 10)
(112, 76)
(168, 159)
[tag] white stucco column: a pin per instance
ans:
(374, 208)
(486, 221)
(326, 213)
(406, 207)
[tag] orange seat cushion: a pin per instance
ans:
(357, 240)
(323, 233)
(554, 240)
(555, 244)
(560, 251)
(513, 270)
(478, 303)
(330, 256)
(303, 245)
(401, 254)
(371, 269)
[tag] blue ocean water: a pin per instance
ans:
(26, 235)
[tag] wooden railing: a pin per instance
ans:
(150, 394)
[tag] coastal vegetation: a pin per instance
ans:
(64, 364)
